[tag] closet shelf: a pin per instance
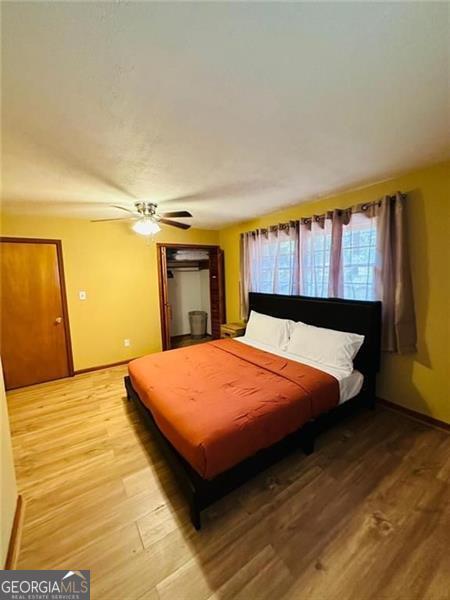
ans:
(196, 265)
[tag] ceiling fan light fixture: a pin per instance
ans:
(146, 226)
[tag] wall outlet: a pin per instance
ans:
(82, 295)
(127, 343)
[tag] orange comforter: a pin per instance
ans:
(220, 402)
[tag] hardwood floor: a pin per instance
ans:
(367, 516)
(181, 341)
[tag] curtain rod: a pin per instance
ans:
(356, 208)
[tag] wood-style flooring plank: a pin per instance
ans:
(366, 516)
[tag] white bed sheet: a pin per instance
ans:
(349, 385)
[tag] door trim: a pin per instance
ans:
(62, 280)
(161, 248)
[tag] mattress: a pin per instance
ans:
(349, 385)
(220, 402)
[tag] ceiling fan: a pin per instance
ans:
(147, 218)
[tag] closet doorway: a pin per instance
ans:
(191, 280)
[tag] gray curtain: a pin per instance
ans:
(393, 281)
(245, 269)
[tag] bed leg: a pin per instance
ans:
(308, 446)
(371, 395)
(371, 402)
(195, 515)
(126, 380)
(308, 437)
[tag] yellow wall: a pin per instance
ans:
(420, 381)
(8, 491)
(118, 270)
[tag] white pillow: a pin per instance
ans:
(268, 330)
(327, 347)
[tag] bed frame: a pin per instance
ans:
(344, 315)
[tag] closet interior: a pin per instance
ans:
(192, 293)
(189, 296)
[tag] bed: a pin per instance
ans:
(225, 410)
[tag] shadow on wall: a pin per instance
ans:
(396, 368)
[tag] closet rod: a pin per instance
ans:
(185, 270)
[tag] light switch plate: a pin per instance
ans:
(82, 295)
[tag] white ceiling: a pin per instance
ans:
(230, 110)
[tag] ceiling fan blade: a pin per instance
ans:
(116, 219)
(176, 213)
(174, 223)
(133, 212)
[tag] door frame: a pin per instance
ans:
(62, 282)
(161, 254)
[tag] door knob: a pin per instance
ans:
(58, 320)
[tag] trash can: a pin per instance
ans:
(197, 322)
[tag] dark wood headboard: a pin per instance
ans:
(354, 316)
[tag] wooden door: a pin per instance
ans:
(217, 290)
(35, 344)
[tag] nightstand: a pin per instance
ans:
(232, 330)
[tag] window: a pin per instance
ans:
(359, 249)
(285, 267)
(316, 252)
(273, 264)
(267, 266)
(278, 268)
(358, 253)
